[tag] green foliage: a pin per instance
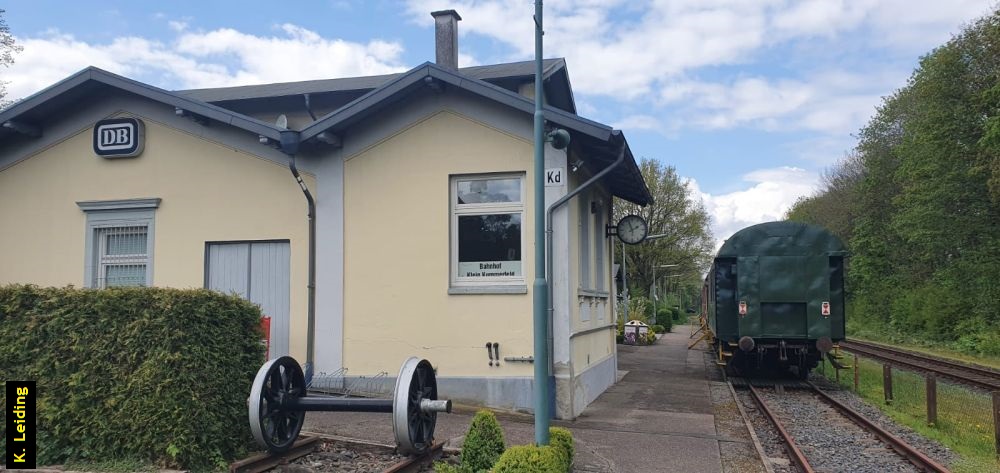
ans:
(658, 328)
(530, 459)
(157, 376)
(562, 440)
(483, 444)
(8, 46)
(639, 308)
(685, 226)
(443, 467)
(918, 202)
(650, 337)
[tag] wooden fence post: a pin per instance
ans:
(856, 368)
(996, 420)
(887, 382)
(931, 399)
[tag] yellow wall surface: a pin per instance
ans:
(591, 348)
(397, 255)
(209, 192)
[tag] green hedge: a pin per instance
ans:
(562, 440)
(483, 444)
(159, 375)
(530, 459)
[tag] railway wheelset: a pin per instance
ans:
(278, 403)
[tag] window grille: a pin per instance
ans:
(122, 256)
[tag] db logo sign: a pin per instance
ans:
(825, 308)
(118, 137)
(743, 307)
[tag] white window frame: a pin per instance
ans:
(485, 285)
(110, 214)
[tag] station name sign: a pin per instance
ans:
(119, 137)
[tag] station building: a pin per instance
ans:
(423, 213)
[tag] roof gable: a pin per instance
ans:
(343, 90)
(591, 139)
(31, 112)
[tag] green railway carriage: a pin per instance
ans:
(774, 297)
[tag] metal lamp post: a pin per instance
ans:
(539, 288)
(654, 288)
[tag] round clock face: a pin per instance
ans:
(632, 229)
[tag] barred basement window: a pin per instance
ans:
(487, 230)
(119, 242)
(123, 256)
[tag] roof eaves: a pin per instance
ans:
(153, 93)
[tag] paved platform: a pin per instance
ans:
(657, 418)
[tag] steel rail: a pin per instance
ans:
(793, 450)
(415, 463)
(977, 376)
(262, 462)
(265, 461)
(914, 456)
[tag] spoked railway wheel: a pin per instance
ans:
(273, 428)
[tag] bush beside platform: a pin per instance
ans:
(151, 374)
(483, 451)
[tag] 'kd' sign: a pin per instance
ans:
(118, 137)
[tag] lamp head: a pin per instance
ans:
(559, 138)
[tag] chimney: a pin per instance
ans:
(446, 38)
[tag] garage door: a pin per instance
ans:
(257, 271)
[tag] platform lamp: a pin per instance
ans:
(652, 291)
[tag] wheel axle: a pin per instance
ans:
(278, 403)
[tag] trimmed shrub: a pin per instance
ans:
(530, 459)
(444, 467)
(658, 328)
(158, 375)
(562, 440)
(483, 444)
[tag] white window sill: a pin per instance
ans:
(497, 289)
(580, 292)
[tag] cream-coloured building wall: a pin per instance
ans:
(588, 349)
(209, 192)
(397, 253)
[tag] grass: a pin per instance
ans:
(119, 465)
(965, 420)
(937, 350)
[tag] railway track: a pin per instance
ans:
(797, 452)
(972, 375)
(262, 462)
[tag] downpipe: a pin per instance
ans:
(550, 310)
(290, 141)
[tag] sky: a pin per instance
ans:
(750, 100)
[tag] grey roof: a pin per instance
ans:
(598, 141)
(488, 73)
(594, 140)
(91, 81)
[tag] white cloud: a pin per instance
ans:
(632, 50)
(222, 57)
(639, 122)
(770, 194)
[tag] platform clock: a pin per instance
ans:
(632, 229)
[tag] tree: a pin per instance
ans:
(683, 223)
(921, 199)
(7, 49)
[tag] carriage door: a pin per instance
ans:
(257, 271)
